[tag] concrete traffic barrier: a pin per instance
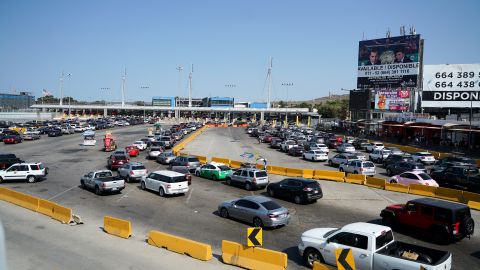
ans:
(474, 205)
(277, 170)
(449, 194)
(252, 257)
(375, 182)
(422, 190)
(118, 227)
(322, 266)
(183, 154)
(202, 159)
(8, 195)
(470, 197)
(356, 178)
(3, 193)
(180, 245)
(62, 214)
(27, 201)
(46, 207)
(308, 173)
(329, 175)
(396, 187)
(292, 172)
(225, 161)
(235, 164)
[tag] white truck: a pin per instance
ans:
(373, 248)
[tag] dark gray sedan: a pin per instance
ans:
(258, 210)
(165, 157)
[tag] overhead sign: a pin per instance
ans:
(344, 259)
(254, 237)
(451, 77)
(388, 62)
(451, 99)
(392, 99)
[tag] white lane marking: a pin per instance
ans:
(126, 194)
(58, 194)
(189, 195)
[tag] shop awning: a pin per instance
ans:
(464, 130)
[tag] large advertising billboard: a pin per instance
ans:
(359, 100)
(388, 62)
(392, 99)
(451, 86)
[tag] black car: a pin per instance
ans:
(300, 190)
(401, 167)
(444, 163)
(55, 132)
(296, 151)
(463, 177)
(275, 143)
(8, 159)
(396, 158)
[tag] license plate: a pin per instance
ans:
(114, 188)
(283, 215)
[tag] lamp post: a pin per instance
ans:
(144, 87)
(287, 85)
(230, 85)
(105, 88)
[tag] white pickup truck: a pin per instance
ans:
(102, 181)
(373, 248)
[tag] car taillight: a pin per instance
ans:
(456, 228)
(132, 172)
(254, 180)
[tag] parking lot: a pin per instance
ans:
(194, 214)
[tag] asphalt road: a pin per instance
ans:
(192, 216)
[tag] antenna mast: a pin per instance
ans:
(269, 75)
(124, 77)
(190, 87)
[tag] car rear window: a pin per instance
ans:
(193, 159)
(424, 154)
(224, 168)
(313, 185)
(155, 149)
(120, 156)
(271, 205)
(104, 174)
(368, 165)
(460, 215)
(385, 238)
(261, 174)
(424, 176)
(138, 167)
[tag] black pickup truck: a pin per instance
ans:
(8, 159)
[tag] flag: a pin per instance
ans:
(46, 93)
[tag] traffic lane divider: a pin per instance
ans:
(329, 175)
(471, 197)
(62, 214)
(356, 178)
(375, 182)
(292, 172)
(396, 187)
(449, 194)
(308, 173)
(252, 257)
(118, 227)
(474, 205)
(225, 161)
(27, 201)
(180, 245)
(46, 207)
(322, 266)
(422, 190)
(277, 170)
(235, 164)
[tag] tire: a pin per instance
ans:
(313, 159)
(271, 193)
(257, 222)
(142, 185)
(311, 255)
(82, 184)
(214, 177)
(97, 190)
(248, 186)
(355, 172)
(389, 221)
(228, 181)
(197, 173)
(341, 170)
(1, 179)
(224, 213)
(467, 226)
(127, 179)
(330, 163)
(393, 182)
(297, 199)
(31, 179)
(161, 192)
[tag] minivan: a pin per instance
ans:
(165, 183)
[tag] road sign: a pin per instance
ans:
(344, 259)
(254, 237)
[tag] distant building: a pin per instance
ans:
(241, 104)
(183, 102)
(258, 105)
(163, 101)
(16, 102)
(218, 102)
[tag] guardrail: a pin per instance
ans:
(180, 245)
(252, 257)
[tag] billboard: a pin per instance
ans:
(388, 62)
(451, 86)
(392, 99)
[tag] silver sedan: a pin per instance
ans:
(258, 210)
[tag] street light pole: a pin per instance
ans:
(231, 85)
(144, 87)
(287, 85)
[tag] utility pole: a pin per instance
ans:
(61, 88)
(124, 77)
(179, 69)
(269, 74)
(190, 88)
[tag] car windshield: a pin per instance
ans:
(193, 159)
(368, 165)
(424, 154)
(155, 149)
(224, 168)
(170, 154)
(471, 172)
(424, 176)
(383, 239)
(261, 174)
(271, 205)
(140, 167)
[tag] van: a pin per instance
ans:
(165, 183)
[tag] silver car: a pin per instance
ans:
(165, 158)
(258, 210)
(154, 152)
(133, 171)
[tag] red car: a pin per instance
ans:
(132, 151)
(12, 139)
(117, 160)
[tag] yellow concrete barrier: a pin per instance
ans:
(375, 182)
(449, 194)
(62, 214)
(27, 201)
(202, 159)
(180, 245)
(46, 207)
(329, 175)
(308, 173)
(183, 154)
(356, 178)
(396, 187)
(470, 197)
(8, 195)
(322, 266)
(292, 172)
(422, 190)
(3, 193)
(225, 161)
(118, 227)
(277, 170)
(474, 205)
(478, 162)
(235, 164)
(252, 257)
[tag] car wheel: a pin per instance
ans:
(127, 179)
(257, 222)
(393, 181)
(31, 179)
(1, 179)
(298, 199)
(97, 190)
(82, 184)
(467, 226)
(355, 172)
(214, 177)
(389, 172)
(341, 169)
(248, 186)
(161, 192)
(271, 193)
(224, 213)
(330, 163)
(311, 255)
(228, 181)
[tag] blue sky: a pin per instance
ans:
(314, 44)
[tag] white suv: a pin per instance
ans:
(165, 182)
(30, 172)
(358, 167)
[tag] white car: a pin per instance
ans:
(373, 247)
(345, 148)
(154, 152)
(423, 157)
(320, 146)
(315, 155)
(374, 146)
(341, 158)
(140, 145)
(165, 182)
(30, 172)
(379, 156)
(285, 145)
(358, 167)
(133, 171)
